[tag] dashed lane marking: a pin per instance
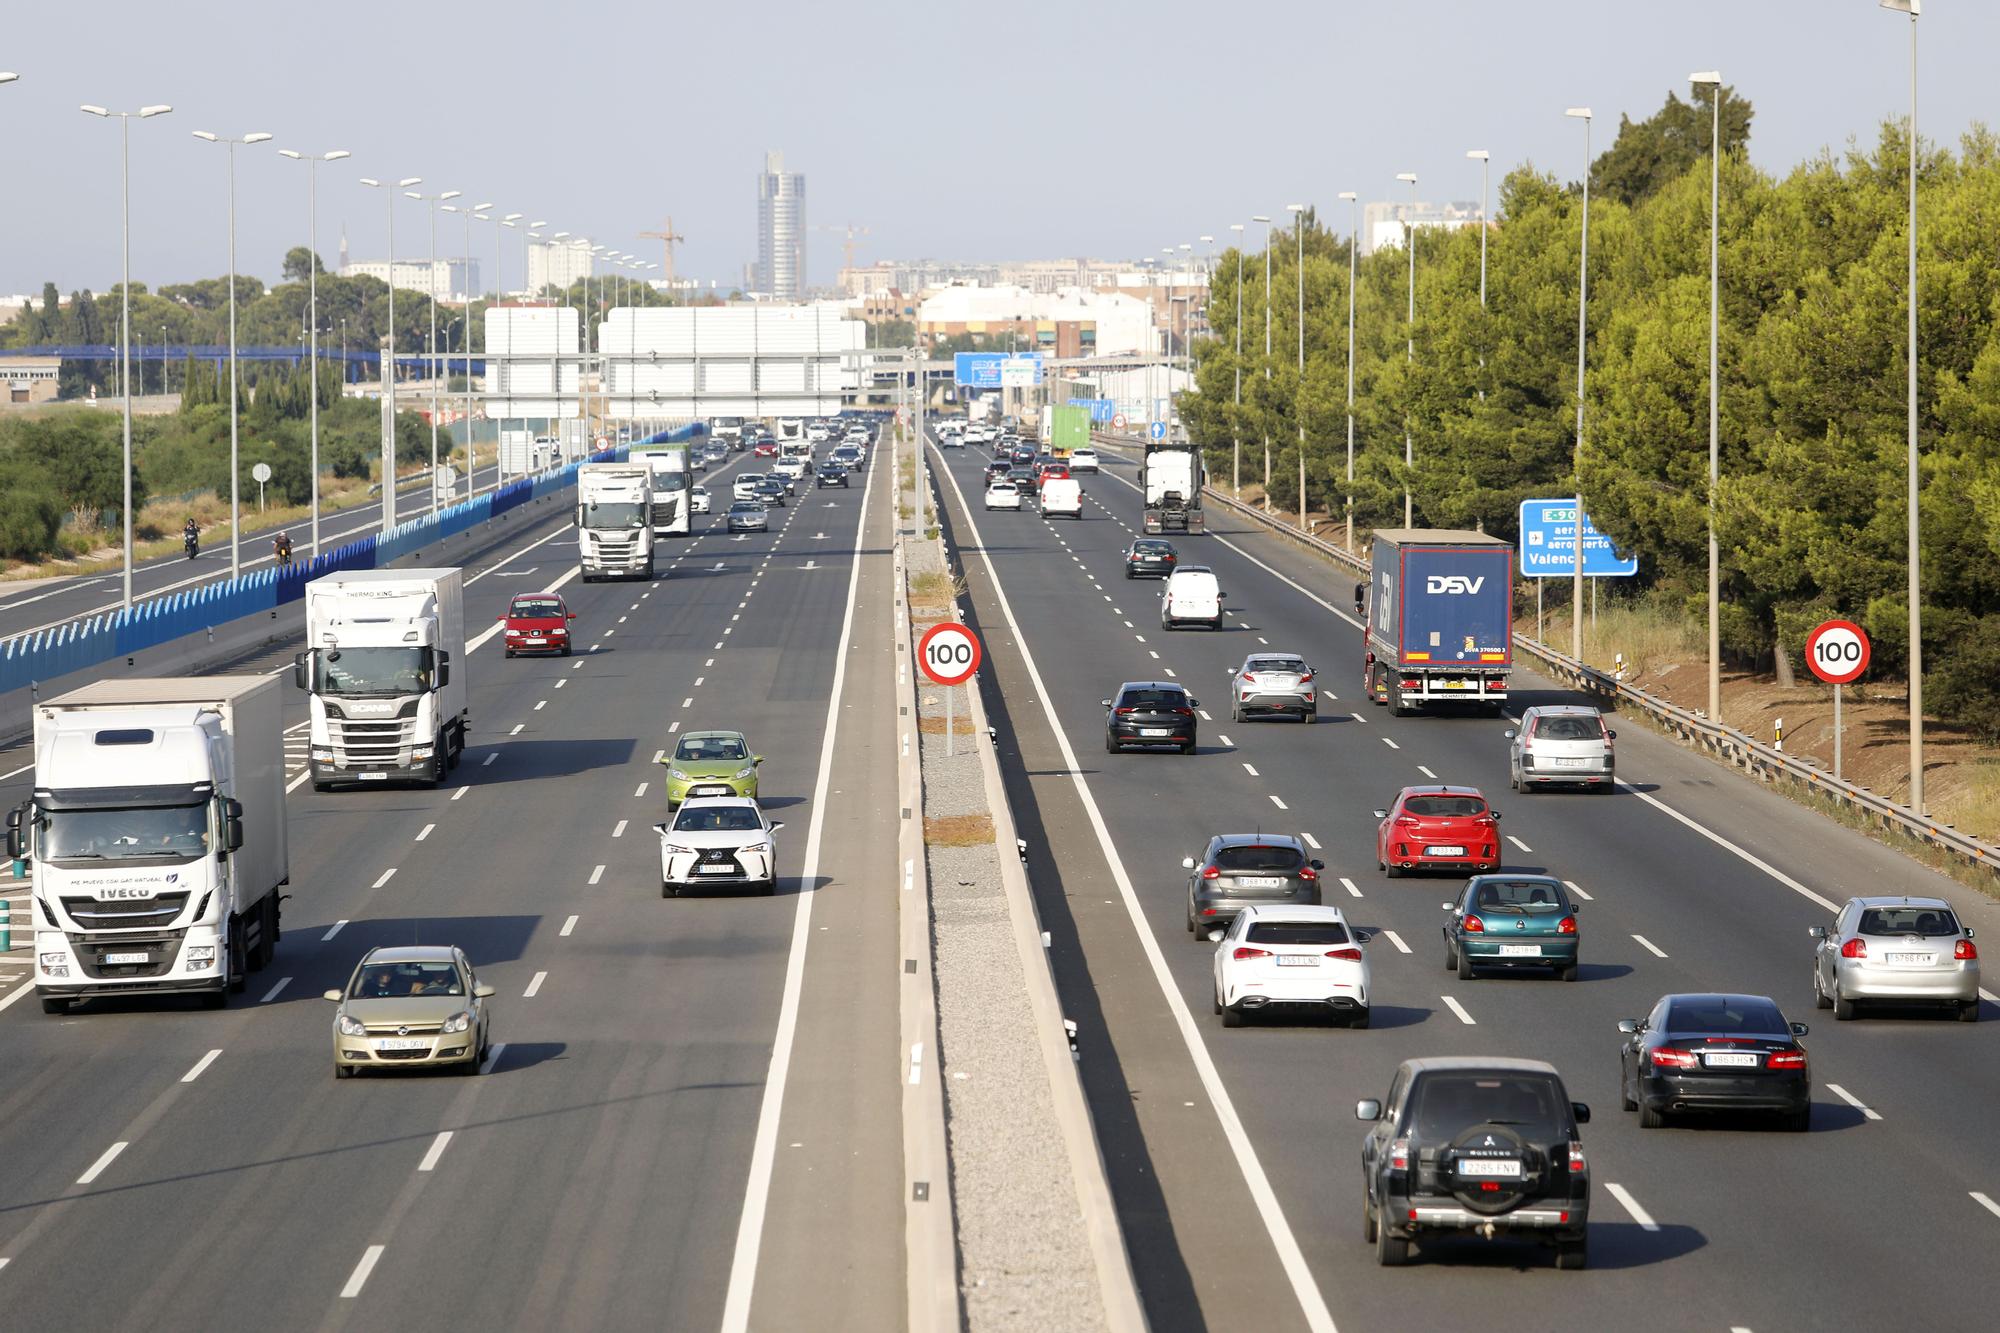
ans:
(1458, 1009)
(1867, 1112)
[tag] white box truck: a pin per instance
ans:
(384, 665)
(157, 837)
(670, 464)
(614, 523)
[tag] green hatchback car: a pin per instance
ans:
(711, 763)
(1510, 921)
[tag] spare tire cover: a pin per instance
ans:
(1490, 1195)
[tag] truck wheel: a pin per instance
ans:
(239, 971)
(52, 1004)
(214, 999)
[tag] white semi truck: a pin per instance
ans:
(383, 663)
(614, 520)
(156, 834)
(1171, 475)
(671, 482)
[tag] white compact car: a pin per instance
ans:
(1191, 596)
(718, 840)
(745, 486)
(1299, 958)
(1003, 495)
(698, 501)
(1082, 460)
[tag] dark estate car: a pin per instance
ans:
(1475, 1147)
(1150, 712)
(1150, 555)
(1512, 921)
(1238, 870)
(1714, 1052)
(832, 474)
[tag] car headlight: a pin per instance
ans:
(324, 756)
(512, 633)
(422, 751)
(747, 771)
(458, 1022)
(677, 775)
(351, 1027)
(675, 849)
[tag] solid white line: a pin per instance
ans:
(97, 1167)
(435, 1151)
(1727, 845)
(335, 931)
(1279, 803)
(1311, 841)
(1631, 1205)
(533, 986)
(200, 1065)
(1396, 940)
(1427, 773)
(1458, 1009)
(359, 1278)
(1350, 886)
(387, 875)
(1290, 1257)
(424, 832)
(272, 993)
(568, 926)
(1651, 947)
(618, 829)
(1867, 1112)
(1518, 843)
(16, 773)
(1570, 884)
(297, 782)
(1986, 1203)
(596, 873)
(1391, 744)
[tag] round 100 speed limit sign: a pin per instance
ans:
(948, 653)
(1837, 652)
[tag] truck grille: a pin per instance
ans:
(664, 510)
(91, 914)
(376, 742)
(160, 948)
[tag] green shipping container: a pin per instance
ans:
(1072, 430)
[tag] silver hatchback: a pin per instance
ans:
(1896, 950)
(1273, 684)
(1561, 745)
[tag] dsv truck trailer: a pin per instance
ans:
(156, 833)
(1440, 619)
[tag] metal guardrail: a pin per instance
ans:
(1721, 741)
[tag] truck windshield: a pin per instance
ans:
(666, 481)
(163, 833)
(362, 671)
(613, 514)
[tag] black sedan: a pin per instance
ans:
(772, 493)
(1150, 712)
(1238, 870)
(1150, 555)
(832, 474)
(1714, 1052)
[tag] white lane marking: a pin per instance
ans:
(297, 782)
(659, 756)
(460, 792)
(1518, 843)
(1570, 884)
(1311, 841)
(493, 1057)
(698, 680)
(200, 1065)
(1988, 996)
(1226, 741)
(540, 704)
(1204, 715)
(1396, 940)
(1152, 654)
(424, 832)
(1427, 773)
(1458, 1009)
(387, 875)
(1305, 1289)
(1986, 1203)
(1279, 803)
(1651, 947)
(1390, 743)
(16, 773)
(334, 931)
(97, 1167)
(435, 1151)
(1727, 845)
(1631, 1205)
(534, 985)
(1357, 717)
(673, 727)
(561, 681)
(618, 829)
(688, 702)
(1867, 1112)
(916, 1063)
(359, 1277)
(568, 926)
(518, 728)
(596, 873)
(640, 790)
(1251, 771)
(1261, 639)
(272, 993)
(1352, 888)
(489, 759)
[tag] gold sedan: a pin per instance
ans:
(411, 1007)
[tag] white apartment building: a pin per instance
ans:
(1384, 224)
(448, 280)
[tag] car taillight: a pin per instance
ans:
(1854, 949)
(1577, 1165)
(1399, 1157)
(1345, 955)
(1406, 821)
(1965, 951)
(1305, 680)
(1308, 874)
(1246, 953)
(1670, 1057)
(1474, 926)
(1412, 684)
(1210, 872)
(1249, 677)
(1183, 712)
(1791, 1059)
(1124, 712)
(1567, 926)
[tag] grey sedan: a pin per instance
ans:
(1561, 745)
(1896, 950)
(1273, 684)
(747, 516)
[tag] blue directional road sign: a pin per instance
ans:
(1101, 409)
(1548, 544)
(1158, 430)
(995, 370)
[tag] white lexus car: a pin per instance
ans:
(698, 500)
(1292, 958)
(718, 840)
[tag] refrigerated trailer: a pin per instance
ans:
(1440, 619)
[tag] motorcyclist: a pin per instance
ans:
(190, 537)
(281, 547)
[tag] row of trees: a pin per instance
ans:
(1810, 508)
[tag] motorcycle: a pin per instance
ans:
(191, 544)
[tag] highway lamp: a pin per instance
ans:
(1353, 247)
(431, 283)
(1187, 311)
(312, 309)
(1298, 212)
(1207, 281)
(1236, 418)
(1410, 347)
(8, 76)
(1168, 251)
(1581, 113)
(467, 215)
(1266, 220)
(1914, 8)
(1712, 80)
(124, 119)
(235, 482)
(389, 188)
(1485, 160)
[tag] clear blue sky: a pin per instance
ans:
(1021, 130)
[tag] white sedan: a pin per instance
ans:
(720, 840)
(745, 486)
(698, 500)
(1003, 495)
(1298, 958)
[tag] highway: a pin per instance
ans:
(675, 1128)
(1234, 1156)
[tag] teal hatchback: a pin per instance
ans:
(1512, 921)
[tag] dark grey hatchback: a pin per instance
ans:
(1238, 870)
(1150, 712)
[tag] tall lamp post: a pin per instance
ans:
(432, 282)
(1298, 212)
(1712, 80)
(1410, 346)
(235, 481)
(1485, 161)
(465, 343)
(1913, 8)
(312, 309)
(389, 188)
(1353, 247)
(1581, 113)
(1265, 219)
(124, 119)
(1236, 419)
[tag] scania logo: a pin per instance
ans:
(1453, 583)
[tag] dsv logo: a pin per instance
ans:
(1453, 583)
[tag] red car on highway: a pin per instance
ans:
(537, 622)
(766, 449)
(1438, 826)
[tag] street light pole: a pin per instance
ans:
(1260, 217)
(1410, 349)
(389, 188)
(1712, 80)
(1913, 8)
(312, 162)
(431, 283)
(465, 343)
(235, 480)
(1581, 113)
(125, 303)
(1485, 160)
(1298, 212)
(1353, 247)
(1236, 419)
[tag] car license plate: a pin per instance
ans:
(1923, 958)
(1729, 1060)
(1156, 731)
(114, 959)
(1520, 951)
(1442, 850)
(1297, 960)
(1458, 685)
(715, 870)
(373, 777)
(402, 1044)
(537, 638)
(1262, 881)
(1570, 763)
(1485, 1166)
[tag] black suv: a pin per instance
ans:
(1471, 1146)
(1242, 869)
(1150, 712)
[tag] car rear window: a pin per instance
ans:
(1297, 932)
(1908, 921)
(1259, 856)
(1518, 895)
(1459, 807)
(1445, 1105)
(1569, 729)
(1295, 665)
(1153, 699)
(1153, 548)
(1725, 1014)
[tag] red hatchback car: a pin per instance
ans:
(1452, 827)
(537, 622)
(765, 449)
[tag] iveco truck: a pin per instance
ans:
(614, 520)
(156, 834)
(383, 663)
(1440, 619)
(670, 485)
(1171, 476)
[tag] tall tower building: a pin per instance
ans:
(781, 230)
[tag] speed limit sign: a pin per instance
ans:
(1837, 652)
(948, 653)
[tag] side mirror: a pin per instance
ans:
(1105, 702)
(1581, 1112)
(16, 844)
(444, 672)
(660, 829)
(1360, 597)
(1363, 936)
(1318, 865)
(1628, 1026)
(777, 824)
(333, 995)
(1800, 1029)
(501, 619)
(1968, 932)
(1496, 815)
(1381, 814)
(1193, 702)
(1367, 1109)
(1509, 734)
(1610, 735)
(299, 669)
(1187, 863)
(756, 759)
(572, 615)
(1230, 672)
(1817, 932)
(1449, 907)
(232, 825)
(483, 991)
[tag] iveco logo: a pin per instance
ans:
(114, 895)
(1453, 583)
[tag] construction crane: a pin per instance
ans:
(851, 230)
(668, 239)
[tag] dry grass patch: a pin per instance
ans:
(958, 830)
(961, 725)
